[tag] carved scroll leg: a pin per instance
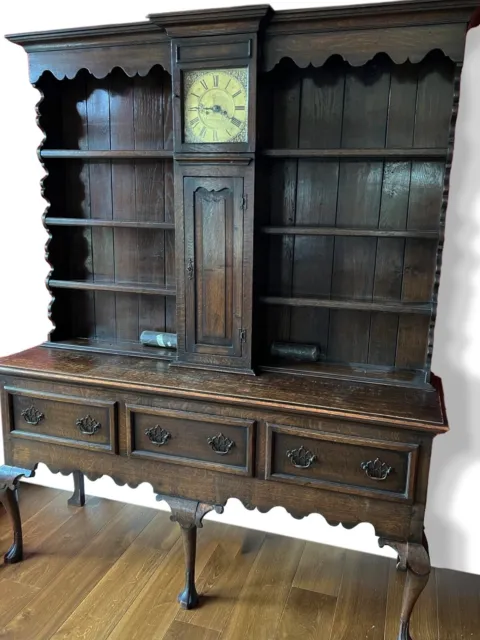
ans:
(9, 476)
(417, 561)
(189, 515)
(78, 496)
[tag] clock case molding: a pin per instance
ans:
(350, 441)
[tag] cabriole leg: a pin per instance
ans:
(189, 515)
(417, 562)
(188, 598)
(78, 496)
(9, 476)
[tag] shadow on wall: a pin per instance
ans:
(453, 511)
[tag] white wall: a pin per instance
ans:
(453, 514)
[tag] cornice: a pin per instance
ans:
(163, 26)
(371, 16)
(212, 21)
(88, 36)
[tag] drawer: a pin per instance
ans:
(86, 423)
(350, 464)
(194, 439)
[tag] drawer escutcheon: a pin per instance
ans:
(32, 415)
(88, 425)
(221, 444)
(157, 435)
(376, 469)
(301, 458)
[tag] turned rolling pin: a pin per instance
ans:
(292, 351)
(158, 339)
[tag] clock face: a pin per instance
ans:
(216, 106)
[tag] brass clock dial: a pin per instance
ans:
(216, 106)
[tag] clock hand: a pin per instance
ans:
(216, 109)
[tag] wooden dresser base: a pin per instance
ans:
(352, 452)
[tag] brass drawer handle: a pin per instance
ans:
(157, 435)
(376, 469)
(221, 444)
(301, 458)
(32, 415)
(88, 425)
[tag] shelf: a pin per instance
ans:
(118, 347)
(352, 305)
(106, 155)
(355, 153)
(89, 222)
(137, 287)
(337, 231)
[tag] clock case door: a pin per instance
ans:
(214, 248)
(219, 52)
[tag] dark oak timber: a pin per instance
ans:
(79, 222)
(106, 154)
(338, 231)
(111, 286)
(355, 153)
(318, 223)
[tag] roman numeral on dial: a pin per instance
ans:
(215, 81)
(236, 122)
(240, 108)
(204, 84)
(237, 94)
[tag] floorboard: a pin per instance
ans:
(362, 601)
(110, 571)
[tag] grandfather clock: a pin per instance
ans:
(214, 110)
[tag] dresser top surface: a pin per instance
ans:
(401, 406)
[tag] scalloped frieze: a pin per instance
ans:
(359, 47)
(132, 59)
(298, 514)
(92, 475)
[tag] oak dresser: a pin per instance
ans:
(246, 214)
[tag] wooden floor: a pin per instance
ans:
(114, 571)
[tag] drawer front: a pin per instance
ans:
(86, 423)
(341, 463)
(187, 438)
